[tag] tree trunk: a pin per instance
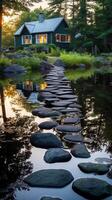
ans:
(3, 104)
(1, 12)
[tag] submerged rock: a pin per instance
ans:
(54, 178)
(57, 155)
(92, 188)
(94, 168)
(45, 140)
(80, 151)
(48, 125)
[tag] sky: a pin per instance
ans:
(43, 4)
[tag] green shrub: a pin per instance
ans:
(55, 52)
(32, 63)
(4, 62)
(73, 60)
(41, 56)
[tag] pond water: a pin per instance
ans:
(18, 158)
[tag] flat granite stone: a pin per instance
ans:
(45, 112)
(73, 138)
(75, 105)
(94, 168)
(49, 178)
(67, 97)
(61, 104)
(80, 151)
(57, 155)
(71, 110)
(50, 198)
(92, 188)
(48, 125)
(45, 140)
(71, 120)
(68, 128)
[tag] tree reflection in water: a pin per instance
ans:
(15, 148)
(95, 96)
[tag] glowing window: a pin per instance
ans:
(27, 39)
(41, 39)
(63, 38)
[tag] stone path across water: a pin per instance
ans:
(61, 102)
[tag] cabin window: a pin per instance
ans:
(63, 38)
(41, 39)
(27, 39)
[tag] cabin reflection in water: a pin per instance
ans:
(29, 90)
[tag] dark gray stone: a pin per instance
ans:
(45, 140)
(57, 155)
(71, 120)
(50, 198)
(48, 125)
(92, 188)
(75, 105)
(94, 168)
(68, 128)
(71, 110)
(15, 69)
(73, 138)
(59, 63)
(68, 97)
(45, 112)
(53, 178)
(80, 151)
(61, 104)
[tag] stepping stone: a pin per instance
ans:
(58, 108)
(45, 112)
(49, 100)
(45, 140)
(75, 105)
(71, 110)
(68, 128)
(42, 109)
(73, 138)
(71, 120)
(63, 93)
(94, 168)
(80, 151)
(68, 97)
(49, 178)
(48, 125)
(50, 198)
(92, 188)
(61, 104)
(57, 155)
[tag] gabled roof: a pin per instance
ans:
(48, 25)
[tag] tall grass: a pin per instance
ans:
(79, 73)
(73, 60)
(31, 63)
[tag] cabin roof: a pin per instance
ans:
(48, 25)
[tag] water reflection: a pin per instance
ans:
(95, 96)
